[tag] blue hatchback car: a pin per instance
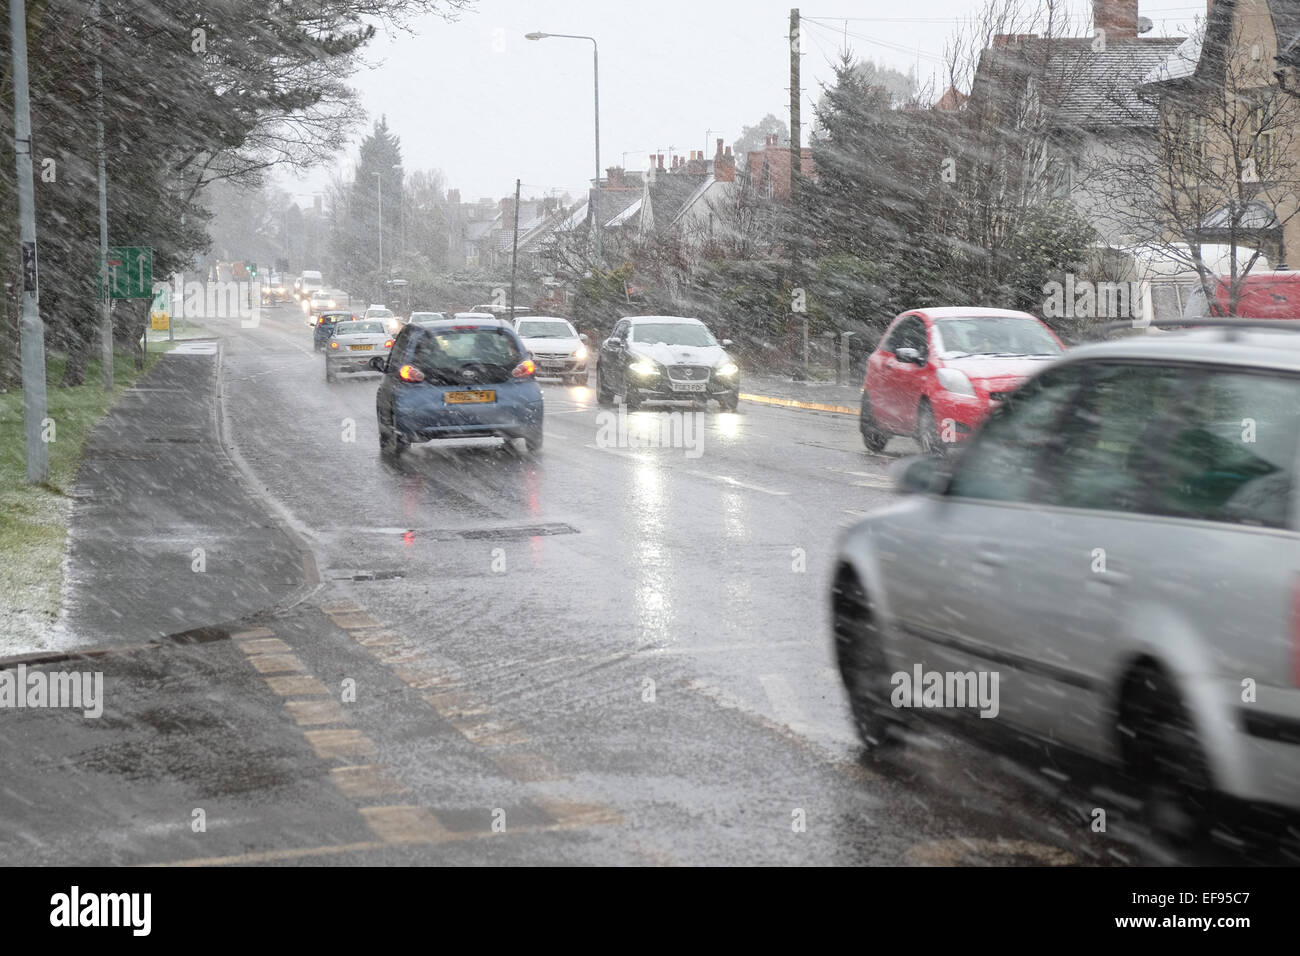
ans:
(458, 379)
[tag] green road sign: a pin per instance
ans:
(130, 272)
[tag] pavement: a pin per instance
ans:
(603, 654)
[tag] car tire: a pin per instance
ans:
(861, 656)
(391, 444)
(927, 431)
(603, 395)
(330, 377)
(533, 441)
(1165, 760)
(872, 436)
(632, 397)
(729, 403)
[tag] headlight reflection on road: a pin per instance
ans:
(652, 610)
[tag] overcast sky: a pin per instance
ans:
(486, 106)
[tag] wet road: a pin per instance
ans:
(595, 655)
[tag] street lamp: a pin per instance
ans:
(595, 64)
(379, 178)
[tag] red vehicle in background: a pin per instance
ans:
(937, 373)
(1263, 295)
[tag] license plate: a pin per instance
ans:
(552, 365)
(361, 348)
(689, 386)
(470, 398)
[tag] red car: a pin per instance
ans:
(937, 373)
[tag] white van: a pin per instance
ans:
(309, 282)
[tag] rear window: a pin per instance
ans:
(348, 328)
(460, 356)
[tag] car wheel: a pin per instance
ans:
(927, 431)
(872, 436)
(330, 376)
(861, 656)
(632, 398)
(579, 379)
(729, 403)
(603, 395)
(533, 441)
(391, 444)
(1162, 754)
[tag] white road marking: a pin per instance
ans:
(727, 479)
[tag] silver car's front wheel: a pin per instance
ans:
(861, 657)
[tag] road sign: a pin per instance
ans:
(130, 272)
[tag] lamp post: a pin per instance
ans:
(595, 65)
(379, 179)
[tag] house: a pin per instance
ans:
(1232, 158)
(1072, 104)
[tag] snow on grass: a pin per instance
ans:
(34, 518)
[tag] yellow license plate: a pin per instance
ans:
(470, 398)
(361, 348)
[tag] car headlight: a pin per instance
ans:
(727, 369)
(643, 367)
(955, 381)
(580, 352)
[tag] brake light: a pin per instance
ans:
(464, 328)
(333, 344)
(524, 369)
(388, 344)
(409, 373)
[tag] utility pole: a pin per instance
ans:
(514, 255)
(105, 300)
(796, 171)
(33, 330)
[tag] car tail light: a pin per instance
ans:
(409, 373)
(524, 369)
(334, 345)
(388, 344)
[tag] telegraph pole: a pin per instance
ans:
(796, 171)
(514, 255)
(33, 330)
(105, 302)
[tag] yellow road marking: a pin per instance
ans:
(340, 743)
(264, 645)
(791, 403)
(405, 824)
(293, 686)
(308, 712)
(977, 852)
(351, 621)
(249, 635)
(276, 663)
(366, 780)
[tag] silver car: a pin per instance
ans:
(361, 346)
(1116, 557)
(560, 350)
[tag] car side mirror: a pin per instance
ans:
(922, 474)
(727, 343)
(910, 356)
(379, 363)
(583, 337)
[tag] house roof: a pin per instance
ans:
(1191, 60)
(1081, 87)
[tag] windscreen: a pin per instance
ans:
(672, 333)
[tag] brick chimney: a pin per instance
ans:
(696, 165)
(1118, 18)
(614, 177)
(724, 165)
(660, 158)
(508, 209)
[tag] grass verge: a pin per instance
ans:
(34, 518)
